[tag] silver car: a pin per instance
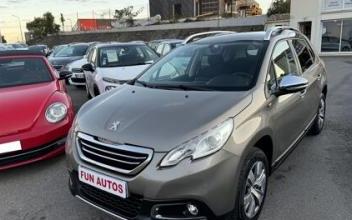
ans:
(197, 134)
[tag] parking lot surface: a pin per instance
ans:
(313, 183)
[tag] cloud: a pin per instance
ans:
(15, 1)
(77, 0)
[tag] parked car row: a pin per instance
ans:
(194, 134)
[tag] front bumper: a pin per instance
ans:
(210, 183)
(47, 151)
(77, 81)
(39, 143)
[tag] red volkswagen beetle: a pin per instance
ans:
(36, 113)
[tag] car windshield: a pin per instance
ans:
(72, 51)
(221, 66)
(57, 49)
(126, 55)
(23, 71)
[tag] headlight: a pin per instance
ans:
(110, 80)
(56, 112)
(108, 88)
(201, 146)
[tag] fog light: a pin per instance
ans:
(108, 88)
(192, 209)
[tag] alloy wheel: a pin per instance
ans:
(255, 189)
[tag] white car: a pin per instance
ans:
(77, 78)
(75, 67)
(110, 65)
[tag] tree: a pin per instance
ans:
(126, 15)
(41, 27)
(3, 39)
(280, 7)
(62, 20)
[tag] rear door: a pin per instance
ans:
(287, 111)
(312, 71)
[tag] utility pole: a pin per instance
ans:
(19, 22)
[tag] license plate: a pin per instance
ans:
(10, 147)
(79, 76)
(103, 182)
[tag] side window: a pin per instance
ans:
(167, 49)
(283, 60)
(159, 50)
(271, 83)
(304, 55)
(94, 56)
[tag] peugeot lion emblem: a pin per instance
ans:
(114, 126)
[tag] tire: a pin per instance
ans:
(96, 91)
(242, 209)
(319, 121)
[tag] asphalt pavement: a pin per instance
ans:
(313, 183)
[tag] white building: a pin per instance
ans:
(328, 23)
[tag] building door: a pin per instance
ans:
(177, 11)
(306, 28)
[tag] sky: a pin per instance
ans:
(13, 11)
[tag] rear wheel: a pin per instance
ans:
(319, 120)
(252, 187)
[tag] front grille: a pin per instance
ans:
(58, 67)
(77, 70)
(16, 157)
(123, 159)
(127, 208)
(78, 80)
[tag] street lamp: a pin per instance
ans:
(19, 22)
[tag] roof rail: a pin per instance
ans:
(201, 35)
(280, 29)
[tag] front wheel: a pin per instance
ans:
(252, 187)
(319, 120)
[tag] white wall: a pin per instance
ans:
(308, 10)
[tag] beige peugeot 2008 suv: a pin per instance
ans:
(197, 134)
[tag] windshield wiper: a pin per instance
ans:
(182, 87)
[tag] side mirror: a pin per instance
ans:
(65, 75)
(291, 84)
(88, 67)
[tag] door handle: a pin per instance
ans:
(303, 93)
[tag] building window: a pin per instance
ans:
(346, 44)
(329, 5)
(337, 36)
(331, 36)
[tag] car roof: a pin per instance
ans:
(172, 41)
(227, 38)
(103, 45)
(10, 53)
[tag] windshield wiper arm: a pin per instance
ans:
(183, 87)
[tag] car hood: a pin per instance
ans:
(63, 60)
(21, 106)
(123, 73)
(77, 63)
(159, 119)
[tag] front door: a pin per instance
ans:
(287, 111)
